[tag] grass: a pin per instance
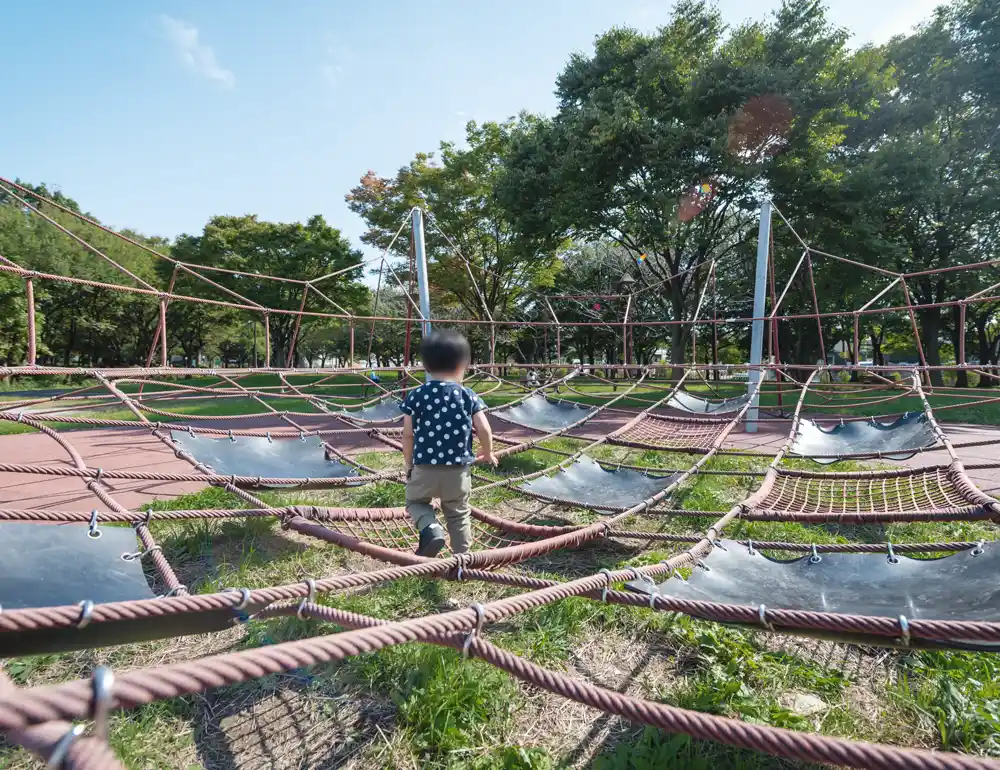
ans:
(424, 706)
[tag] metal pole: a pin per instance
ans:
(420, 257)
(759, 297)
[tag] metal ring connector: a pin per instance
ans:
(604, 591)
(891, 558)
(762, 614)
(103, 683)
(750, 549)
(308, 599)
(93, 532)
(140, 554)
(62, 747)
(815, 558)
(86, 611)
(979, 549)
(904, 630)
(480, 619)
(244, 597)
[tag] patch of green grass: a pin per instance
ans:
(445, 703)
(655, 749)
(547, 634)
(959, 694)
(383, 494)
(155, 735)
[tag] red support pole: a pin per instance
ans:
(558, 344)
(267, 340)
(856, 353)
(819, 321)
(164, 362)
(961, 334)
(350, 354)
(295, 333)
(163, 325)
(715, 326)
(916, 331)
(32, 344)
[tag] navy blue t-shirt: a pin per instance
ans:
(442, 422)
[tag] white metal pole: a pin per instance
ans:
(759, 297)
(420, 257)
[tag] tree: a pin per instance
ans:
(929, 179)
(250, 248)
(478, 264)
(664, 144)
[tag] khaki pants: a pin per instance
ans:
(452, 485)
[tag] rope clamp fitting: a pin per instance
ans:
(815, 558)
(103, 682)
(93, 532)
(604, 591)
(86, 612)
(307, 599)
(891, 558)
(762, 615)
(61, 749)
(480, 619)
(979, 549)
(904, 630)
(140, 554)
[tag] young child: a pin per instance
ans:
(437, 443)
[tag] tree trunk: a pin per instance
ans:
(957, 333)
(930, 330)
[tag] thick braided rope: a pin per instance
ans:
(72, 700)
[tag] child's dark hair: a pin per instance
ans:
(445, 351)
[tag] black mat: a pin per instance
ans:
(896, 440)
(540, 413)
(45, 565)
(688, 402)
(956, 587)
(587, 484)
(386, 410)
(290, 458)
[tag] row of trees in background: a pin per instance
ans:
(651, 170)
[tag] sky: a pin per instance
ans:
(158, 115)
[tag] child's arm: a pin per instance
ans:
(485, 435)
(407, 442)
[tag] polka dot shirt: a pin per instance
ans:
(442, 422)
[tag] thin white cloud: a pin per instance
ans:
(332, 74)
(337, 61)
(194, 53)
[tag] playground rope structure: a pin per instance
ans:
(638, 411)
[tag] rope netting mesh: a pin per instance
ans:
(625, 410)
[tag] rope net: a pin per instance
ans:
(627, 407)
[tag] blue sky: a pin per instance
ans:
(157, 115)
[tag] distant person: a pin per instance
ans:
(373, 376)
(437, 444)
(533, 378)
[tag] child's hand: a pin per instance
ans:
(490, 458)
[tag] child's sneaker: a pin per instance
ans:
(431, 540)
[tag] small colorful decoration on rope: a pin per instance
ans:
(641, 258)
(597, 306)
